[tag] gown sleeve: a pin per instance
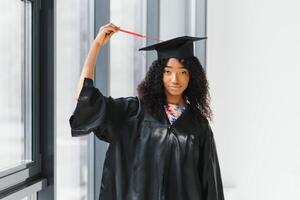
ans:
(210, 174)
(100, 114)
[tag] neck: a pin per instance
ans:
(176, 100)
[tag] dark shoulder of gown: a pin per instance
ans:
(102, 115)
(149, 159)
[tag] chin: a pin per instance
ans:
(175, 93)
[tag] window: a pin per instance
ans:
(187, 18)
(19, 150)
(31, 197)
(74, 157)
(16, 111)
(127, 71)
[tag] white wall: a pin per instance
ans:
(253, 69)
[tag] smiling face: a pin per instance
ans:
(175, 78)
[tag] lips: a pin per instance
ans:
(174, 87)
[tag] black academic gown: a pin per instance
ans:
(147, 159)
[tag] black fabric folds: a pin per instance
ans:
(148, 159)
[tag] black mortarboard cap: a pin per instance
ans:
(180, 47)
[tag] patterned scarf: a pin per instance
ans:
(174, 111)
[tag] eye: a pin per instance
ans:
(184, 72)
(167, 71)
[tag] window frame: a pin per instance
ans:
(13, 180)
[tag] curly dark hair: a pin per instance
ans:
(151, 89)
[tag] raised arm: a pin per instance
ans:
(95, 112)
(101, 39)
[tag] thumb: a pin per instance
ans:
(110, 35)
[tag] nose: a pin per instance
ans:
(174, 78)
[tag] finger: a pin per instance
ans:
(111, 29)
(114, 26)
(105, 27)
(111, 25)
(109, 36)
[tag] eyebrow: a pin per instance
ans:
(172, 67)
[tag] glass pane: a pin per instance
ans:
(129, 68)
(173, 24)
(31, 197)
(15, 87)
(72, 44)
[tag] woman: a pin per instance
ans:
(161, 146)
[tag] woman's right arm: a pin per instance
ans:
(101, 39)
(95, 112)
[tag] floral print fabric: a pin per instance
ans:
(173, 111)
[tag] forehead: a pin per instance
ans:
(174, 63)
